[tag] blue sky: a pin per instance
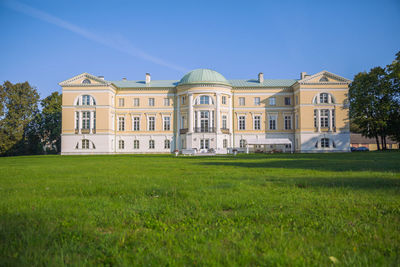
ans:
(45, 42)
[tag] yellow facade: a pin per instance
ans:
(310, 113)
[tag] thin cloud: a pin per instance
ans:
(121, 44)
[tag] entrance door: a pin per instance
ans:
(204, 144)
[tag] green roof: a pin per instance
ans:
(142, 84)
(203, 76)
(266, 83)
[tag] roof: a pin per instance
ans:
(266, 83)
(203, 76)
(141, 84)
(356, 138)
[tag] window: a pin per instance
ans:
(287, 101)
(324, 118)
(166, 102)
(223, 100)
(77, 120)
(242, 143)
(241, 101)
(204, 100)
(315, 118)
(121, 102)
(288, 122)
(167, 123)
(225, 143)
(224, 122)
(85, 144)
(257, 101)
(325, 142)
(323, 98)
(297, 100)
(86, 81)
(204, 143)
(183, 100)
(151, 144)
(333, 118)
(121, 144)
(257, 122)
(152, 123)
(242, 122)
(136, 124)
(121, 124)
(297, 121)
(183, 122)
(272, 101)
(85, 100)
(151, 102)
(85, 119)
(167, 144)
(272, 122)
(136, 102)
(135, 144)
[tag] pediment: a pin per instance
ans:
(84, 79)
(324, 77)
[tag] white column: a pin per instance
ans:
(198, 119)
(319, 120)
(330, 119)
(80, 121)
(217, 115)
(190, 116)
(91, 124)
(178, 122)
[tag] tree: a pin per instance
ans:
(394, 78)
(19, 108)
(50, 121)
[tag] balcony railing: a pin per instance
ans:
(183, 131)
(204, 130)
(225, 131)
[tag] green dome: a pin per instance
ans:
(203, 76)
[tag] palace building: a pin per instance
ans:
(205, 113)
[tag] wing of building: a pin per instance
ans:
(204, 111)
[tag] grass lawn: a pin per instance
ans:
(280, 209)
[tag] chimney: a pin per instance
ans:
(261, 77)
(124, 79)
(101, 77)
(148, 78)
(303, 75)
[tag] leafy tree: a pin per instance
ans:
(394, 78)
(19, 108)
(50, 121)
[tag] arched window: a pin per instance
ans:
(323, 79)
(325, 142)
(86, 100)
(204, 100)
(86, 81)
(323, 98)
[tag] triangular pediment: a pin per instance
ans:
(324, 77)
(84, 79)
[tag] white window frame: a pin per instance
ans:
(257, 122)
(274, 118)
(204, 100)
(242, 122)
(136, 123)
(152, 144)
(225, 143)
(152, 101)
(121, 144)
(86, 120)
(242, 143)
(287, 118)
(166, 123)
(324, 118)
(223, 99)
(224, 122)
(242, 101)
(257, 101)
(167, 144)
(136, 102)
(121, 123)
(324, 98)
(136, 144)
(272, 101)
(121, 102)
(151, 123)
(166, 102)
(325, 142)
(85, 144)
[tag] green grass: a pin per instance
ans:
(155, 210)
